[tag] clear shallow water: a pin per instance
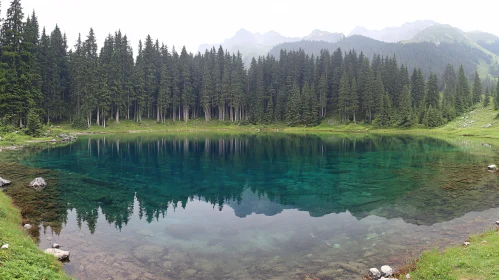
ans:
(259, 207)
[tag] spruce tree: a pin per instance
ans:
(405, 116)
(486, 100)
(432, 94)
(477, 89)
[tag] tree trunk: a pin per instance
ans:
(117, 117)
(98, 115)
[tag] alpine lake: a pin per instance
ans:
(252, 206)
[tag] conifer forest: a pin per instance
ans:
(45, 79)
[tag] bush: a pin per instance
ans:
(6, 126)
(79, 122)
(34, 126)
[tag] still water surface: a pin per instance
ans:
(260, 206)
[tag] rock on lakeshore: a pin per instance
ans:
(374, 274)
(38, 183)
(4, 182)
(59, 254)
(386, 271)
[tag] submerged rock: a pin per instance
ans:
(27, 226)
(5, 246)
(56, 246)
(38, 183)
(386, 271)
(374, 274)
(59, 254)
(4, 182)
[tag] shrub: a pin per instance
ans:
(79, 122)
(34, 126)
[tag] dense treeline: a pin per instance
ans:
(427, 56)
(40, 78)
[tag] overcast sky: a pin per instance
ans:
(191, 23)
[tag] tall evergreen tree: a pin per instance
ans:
(477, 89)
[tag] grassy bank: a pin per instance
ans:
(23, 259)
(475, 261)
(480, 123)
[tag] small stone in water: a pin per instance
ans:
(56, 246)
(27, 226)
(5, 246)
(497, 222)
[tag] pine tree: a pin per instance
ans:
(14, 100)
(477, 89)
(486, 100)
(384, 111)
(417, 89)
(34, 126)
(405, 117)
(343, 97)
(293, 110)
(432, 94)
(432, 118)
(368, 95)
(463, 95)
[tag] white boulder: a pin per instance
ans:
(386, 271)
(492, 167)
(374, 274)
(38, 183)
(5, 246)
(4, 182)
(59, 254)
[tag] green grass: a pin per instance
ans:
(23, 259)
(476, 261)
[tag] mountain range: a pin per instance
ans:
(413, 42)
(256, 44)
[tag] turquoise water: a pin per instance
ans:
(260, 206)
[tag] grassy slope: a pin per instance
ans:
(476, 261)
(23, 259)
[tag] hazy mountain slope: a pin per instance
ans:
(440, 33)
(255, 44)
(394, 34)
(428, 56)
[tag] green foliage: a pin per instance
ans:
(486, 98)
(79, 122)
(405, 117)
(34, 126)
(432, 117)
(384, 112)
